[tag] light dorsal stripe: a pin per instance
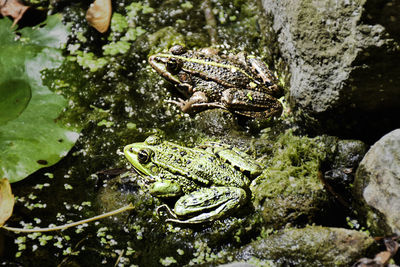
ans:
(211, 63)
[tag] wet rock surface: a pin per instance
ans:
(289, 190)
(309, 246)
(342, 166)
(343, 59)
(217, 122)
(377, 185)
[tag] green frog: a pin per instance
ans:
(209, 181)
(207, 79)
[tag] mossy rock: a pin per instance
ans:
(309, 246)
(290, 190)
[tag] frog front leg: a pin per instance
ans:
(251, 103)
(197, 102)
(207, 204)
(261, 70)
(165, 188)
(268, 78)
(169, 185)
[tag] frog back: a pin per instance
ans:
(224, 72)
(197, 165)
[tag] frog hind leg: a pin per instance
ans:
(239, 159)
(207, 204)
(197, 102)
(249, 103)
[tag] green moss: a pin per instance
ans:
(289, 190)
(293, 168)
(313, 246)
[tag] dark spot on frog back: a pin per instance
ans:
(223, 166)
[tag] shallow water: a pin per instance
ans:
(121, 103)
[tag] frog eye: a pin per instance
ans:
(144, 156)
(174, 65)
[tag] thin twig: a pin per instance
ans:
(119, 257)
(65, 226)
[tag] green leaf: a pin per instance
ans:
(5, 31)
(54, 34)
(6, 201)
(14, 98)
(31, 136)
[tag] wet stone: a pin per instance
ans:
(309, 246)
(377, 186)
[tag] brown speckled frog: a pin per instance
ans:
(239, 83)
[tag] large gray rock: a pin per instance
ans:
(377, 185)
(309, 246)
(343, 57)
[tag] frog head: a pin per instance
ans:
(140, 155)
(169, 66)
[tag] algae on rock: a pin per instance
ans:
(309, 246)
(289, 190)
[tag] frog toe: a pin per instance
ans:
(169, 211)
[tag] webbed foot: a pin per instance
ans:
(180, 102)
(169, 211)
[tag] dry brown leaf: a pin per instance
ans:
(99, 15)
(6, 201)
(383, 257)
(12, 8)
